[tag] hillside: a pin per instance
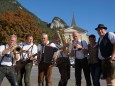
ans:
(57, 23)
(13, 5)
(15, 19)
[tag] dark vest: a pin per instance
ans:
(106, 47)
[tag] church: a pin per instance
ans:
(69, 30)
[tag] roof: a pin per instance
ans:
(74, 26)
(79, 29)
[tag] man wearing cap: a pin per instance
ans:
(106, 53)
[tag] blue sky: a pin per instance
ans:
(88, 13)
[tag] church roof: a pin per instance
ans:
(79, 29)
(74, 26)
(73, 23)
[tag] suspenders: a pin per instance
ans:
(60, 52)
(28, 49)
(31, 50)
(77, 50)
(3, 58)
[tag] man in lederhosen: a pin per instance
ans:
(47, 49)
(106, 53)
(63, 64)
(27, 59)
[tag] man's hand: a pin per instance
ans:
(78, 46)
(32, 58)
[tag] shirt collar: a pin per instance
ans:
(28, 44)
(47, 42)
(79, 40)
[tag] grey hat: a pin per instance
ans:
(101, 26)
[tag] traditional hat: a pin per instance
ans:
(101, 26)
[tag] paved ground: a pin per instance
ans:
(55, 78)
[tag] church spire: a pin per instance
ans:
(73, 24)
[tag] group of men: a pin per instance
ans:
(101, 59)
(17, 61)
(11, 54)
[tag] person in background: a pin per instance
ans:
(80, 49)
(94, 62)
(106, 53)
(8, 57)
(48, 53)
(27, 59)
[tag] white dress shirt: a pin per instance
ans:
(32, 50)
(7, 61)
(79, 54)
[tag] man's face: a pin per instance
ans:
(101, 32)
(29, 40)
(92, 40)
(12, 41)
(75, 36)
(44, 39)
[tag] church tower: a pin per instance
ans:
(69, 30)
(73, 23)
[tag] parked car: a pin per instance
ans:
(72, 61)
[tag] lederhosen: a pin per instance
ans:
(63, 64)
(45, 67)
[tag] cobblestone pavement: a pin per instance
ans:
(55, 78)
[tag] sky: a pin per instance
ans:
(87, 13)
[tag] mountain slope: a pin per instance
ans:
(13, 5)
(57, 23)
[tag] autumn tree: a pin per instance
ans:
(19, 23)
